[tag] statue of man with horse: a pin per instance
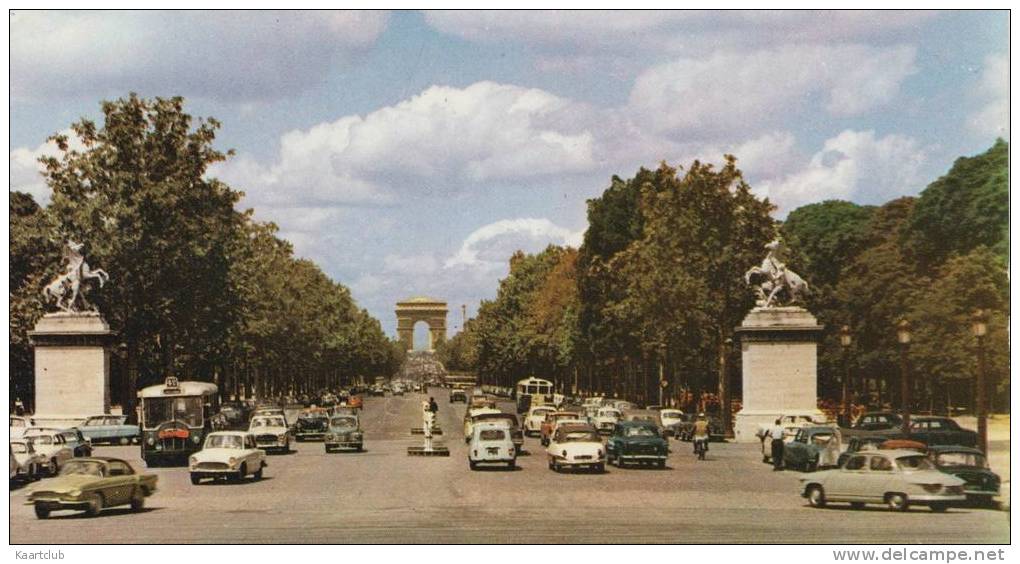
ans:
(773, 282)
(68, 284)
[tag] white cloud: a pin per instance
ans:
(733, 91)
(227, 55)
(432, 144)
(993, 87)
(26, 170)
(492, 244)
(854, 165)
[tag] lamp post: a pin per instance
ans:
(979, 326)
(662, 372)
(845, 339)
(903, 336)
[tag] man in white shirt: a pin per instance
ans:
(776, 433)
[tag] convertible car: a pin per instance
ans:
(90, 484)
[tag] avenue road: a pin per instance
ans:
(384, 496)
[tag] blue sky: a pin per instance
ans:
(410, 153)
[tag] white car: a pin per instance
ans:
(271, 432)
(896, 478)
(606, 419)
(469, 418)
(28, 464)
(227, 454)
(668, 418)
(536, 415)
(53, 446)
(19, 425)
(576, 445)
(491, 443)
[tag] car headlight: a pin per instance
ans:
(330, 437)
(74, 493)
(193, 460)
(232, 461)
(151, 441)
(195, 439)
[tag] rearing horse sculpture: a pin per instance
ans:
(70, 281)
(772, 278)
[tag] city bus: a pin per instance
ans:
(533, 391)
(174, 418)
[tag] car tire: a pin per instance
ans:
(242, 472)
(856, 505)
(600, 467)
(195, 478)
(95, 505)
(897, 501)
(938, 506)
(138, 500)
(33, 473)
(52, 467)
(661, 464)
(41, 512)
(258, 474)
(472, 465)
(511, 465)
(816, 496)
(550, 463)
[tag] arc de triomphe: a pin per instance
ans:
(431, 311)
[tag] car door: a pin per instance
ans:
(847, 482)
(881, 475)
(119, 483)
(795, 451)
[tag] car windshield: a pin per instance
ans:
(268, 422)
(913, 463)
(491, 435)
(223, 441)
(84, 467)
(639, 431)
(671, 414)
(160, 410)
(343, 422)
(609, 413)
(962, 459)
(42, 439)
(579, 437)
(19, 448)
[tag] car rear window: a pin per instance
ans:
(492, 435)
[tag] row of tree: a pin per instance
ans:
(197, 289)
(657, 287)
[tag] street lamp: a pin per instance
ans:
(979, 326)
(845, 340)
(662, 371)
(903, 336)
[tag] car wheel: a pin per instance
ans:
(138, 500)
(856, 505)
(41, 512)
(242, 472)
(816, 496)
(811, 466)
(897, 501)
(258, 474)
(51, 467)
(938, 506)
(661, 464)
(511, 465)
(95, 505)
(33, 473)
(472, 465)
(550, 463)
(600, 467)
(195, 478)
(124, 441)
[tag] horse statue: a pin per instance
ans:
(70, 281)
(772, 280)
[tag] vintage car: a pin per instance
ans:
(933, 430)
(862, 443)
(354, 402)
(110, 429)
(535, 417)
(605, 419)
(481, 400)
(550, 422)
(79, 444)
(344, 433)
(19, 424)
(791, 423)
(813, 448)
(516, 433)
(576, 445)
(377, 391)
(981, 485)
(232, 415)
(669, 417)
(878, 421)
(227, 454)
(28, 464)
(398, 389)
(490, 443)
(271, 432)
(311, 425)
(458, 395)
(90, 484)
(52, 445)
(266, 411)
(638, 442)
(643, 415)
(471, 414)
(896, 478)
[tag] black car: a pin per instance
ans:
(971, 466)
(932, 430)
(878, 421)
(311, 426)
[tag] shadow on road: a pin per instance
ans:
(104, 513)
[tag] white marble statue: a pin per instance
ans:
(773, 280)
(69, 283)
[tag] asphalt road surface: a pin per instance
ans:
(384, 496)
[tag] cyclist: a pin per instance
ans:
(701, 436)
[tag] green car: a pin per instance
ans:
(90, 484)
(637, 442)
(344, 432)
(812, 448)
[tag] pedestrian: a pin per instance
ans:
(433, 406)
(776, 432)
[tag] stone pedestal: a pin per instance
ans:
(72, 367)
(779, 354)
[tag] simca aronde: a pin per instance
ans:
(637, 441)
(971, 466)
(344, 433)
(110, 429)
(576, 446)
(28, 464)
(271, 432)
(90, 484)
(227, 454)
(896, 478)
(490, 443)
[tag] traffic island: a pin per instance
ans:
(424, 451)
(421, 430)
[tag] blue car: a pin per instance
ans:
(111, 429)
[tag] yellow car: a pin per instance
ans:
(90, 484)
